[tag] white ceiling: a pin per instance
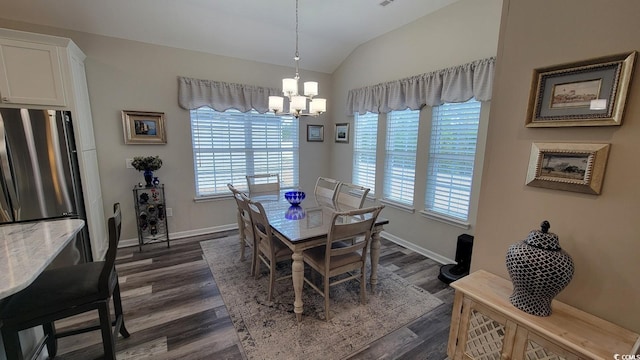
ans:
(261, 30)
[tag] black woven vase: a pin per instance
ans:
(539, 270)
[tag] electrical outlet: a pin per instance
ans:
(128, 163)
(169, 211)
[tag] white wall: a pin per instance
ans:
(455, 35)
(600, 232)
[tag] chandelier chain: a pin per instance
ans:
(297, 54)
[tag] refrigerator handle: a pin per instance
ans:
(5, 212)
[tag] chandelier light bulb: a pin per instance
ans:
(290, 87)
(318, 106)
(276, 103)
(310, 88)
(298, 103)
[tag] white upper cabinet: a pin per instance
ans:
(30, 73)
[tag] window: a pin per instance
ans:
(365, 137)
(454, 135)
(400, 160)
(229, 145)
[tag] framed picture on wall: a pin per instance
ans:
(143, 127)
(315, 133)
(342, 133)
(587, 93)
(570, 167)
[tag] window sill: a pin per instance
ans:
(445, 219)
(217, 197)
(397, 205)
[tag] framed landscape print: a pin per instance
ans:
(568, 166)
(143, 127)
(315, 133)
(587, 93)
(342, 133)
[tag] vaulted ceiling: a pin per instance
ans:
(261, 30)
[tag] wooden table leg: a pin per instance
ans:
(298, 281)
(375, 256)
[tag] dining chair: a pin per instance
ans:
(270, 250)
(64, 292)
(350, 196)
(245, 227)
(263, 183)
(338, 257)
(326, 188)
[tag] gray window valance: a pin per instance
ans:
(221, 96)
(455, 84)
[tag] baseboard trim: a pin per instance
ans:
(214, 229)
(185, 234)
(420, 250)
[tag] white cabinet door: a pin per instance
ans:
(30, 73)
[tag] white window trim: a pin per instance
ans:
(445, 219)
(398, 205)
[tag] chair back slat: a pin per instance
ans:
(326, 188)
(261, 226)
(243, 206)
(115, 229)
(351, 196)
(354, 224)
(263, 183)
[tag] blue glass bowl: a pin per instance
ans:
(294, 197)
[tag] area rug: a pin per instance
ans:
(269, 330)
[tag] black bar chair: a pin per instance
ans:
(64, 292)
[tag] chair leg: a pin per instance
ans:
(117, 305)
(52, 341)
(242, 236)
(254, 257)
(363, 286)
(272, 278)
(11, 341)
(326, 296)
(108, 343)
(257, 266)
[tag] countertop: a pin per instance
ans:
(26, 249)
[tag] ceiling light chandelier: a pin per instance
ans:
(297, 102)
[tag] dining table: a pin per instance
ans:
(306, 226)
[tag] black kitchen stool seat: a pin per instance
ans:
(67, 291)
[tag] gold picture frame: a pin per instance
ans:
(568, 166)
(143, 127)
(586, 93)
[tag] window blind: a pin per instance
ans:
(454, 135)
(229, 145)
(365, 136)
(400, 160)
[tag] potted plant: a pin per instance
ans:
(148, 164)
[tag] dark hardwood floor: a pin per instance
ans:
(174, 310)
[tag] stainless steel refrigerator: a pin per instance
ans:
(39, 174)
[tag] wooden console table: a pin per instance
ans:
(484, 325)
